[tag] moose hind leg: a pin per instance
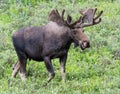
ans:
(49, 68)
(22, 71)
(22, 62)
(16, 68)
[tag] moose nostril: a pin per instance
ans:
(88, 44)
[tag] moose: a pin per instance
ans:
(51, 41)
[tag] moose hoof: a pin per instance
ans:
(52, 75)
(23, 76)
(13, 74)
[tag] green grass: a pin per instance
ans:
(93, 71)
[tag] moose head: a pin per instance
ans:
(88, 18)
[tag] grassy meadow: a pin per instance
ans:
(93, 71)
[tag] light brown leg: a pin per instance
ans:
(23, 70)
(16, 68)
(63, 73)
(63, 64)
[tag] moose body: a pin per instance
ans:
(37, 42)
(47, 42)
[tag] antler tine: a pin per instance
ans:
(62, 15)
(95, 21)
(63, 12)
(98, 15)
(91, 24)
(95, 11)
(78, 21)
(57, 12)
(69, 19)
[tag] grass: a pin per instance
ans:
(93, 71)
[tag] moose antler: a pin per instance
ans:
(54, 16)
(69, 20)
(62, 15)
(88, 14)
(87, 19)
(90, 17)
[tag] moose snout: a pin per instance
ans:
(84, 44)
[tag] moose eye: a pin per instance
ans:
(74, 31)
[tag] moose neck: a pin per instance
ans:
(73, 40)
(58, 35)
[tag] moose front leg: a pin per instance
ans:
(50, 69)
(63, 64)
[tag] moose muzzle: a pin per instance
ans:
(84, 44)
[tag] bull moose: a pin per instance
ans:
(50, 41)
